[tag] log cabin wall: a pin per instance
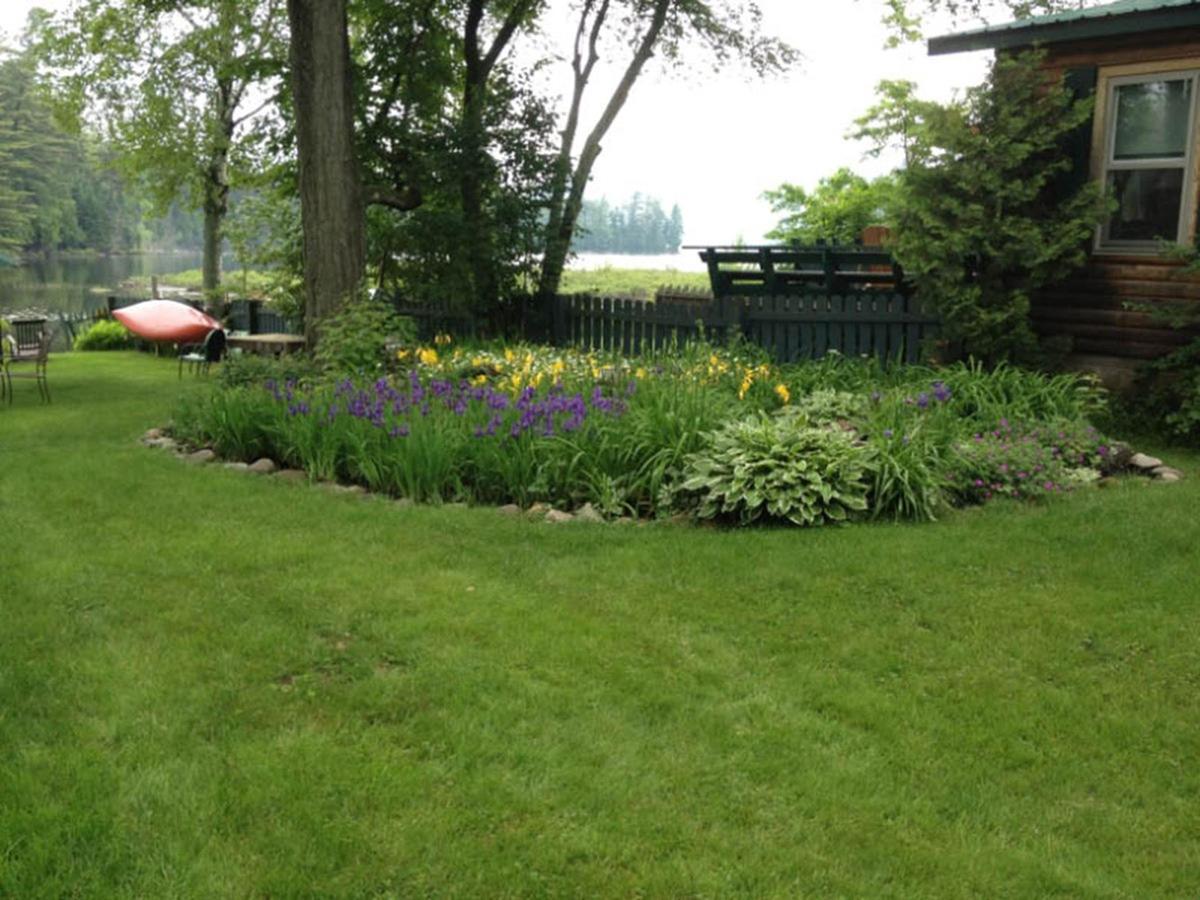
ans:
(1090, 307)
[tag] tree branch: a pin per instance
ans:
(511, 22)
(405, 200)
(254, 112)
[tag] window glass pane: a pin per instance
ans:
(1148, 204)
(1152, 119)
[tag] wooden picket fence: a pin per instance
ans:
(890, 326)
(795, 302)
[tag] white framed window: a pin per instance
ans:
(1149, 150)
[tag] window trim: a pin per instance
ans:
(1104, 141)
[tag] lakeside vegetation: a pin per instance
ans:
(963, 708)
(611, 280)
(605, 280)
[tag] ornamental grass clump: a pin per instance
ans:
(778, 469)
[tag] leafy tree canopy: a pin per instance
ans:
(838, 210)
(982, 215)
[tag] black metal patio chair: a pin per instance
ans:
(200, 356)
(21, 354)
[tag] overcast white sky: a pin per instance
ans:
(713, 144)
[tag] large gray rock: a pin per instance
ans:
(1166, 473)
(237, 466)
(201, 457)
(335, 488)
(1144, 462)
(557, 516)
(509, 509)
(263, 466)
(292, 476)
(588, 513)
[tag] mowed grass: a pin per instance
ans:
(218, 685)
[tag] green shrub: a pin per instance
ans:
(828, 407)
(106, 334)
(984, 213)
(1166, 394)
(354, 339)
(243, 369)
(782, 469)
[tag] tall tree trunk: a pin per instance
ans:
(216, 189)
(216, 208)
(477, 228)
(479, 244)
(331, 198)
(565, 212)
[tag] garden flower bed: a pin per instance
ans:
(708, 432)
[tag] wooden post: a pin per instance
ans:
(714, 272)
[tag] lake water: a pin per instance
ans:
(81, 285)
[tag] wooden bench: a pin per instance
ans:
(782, 270)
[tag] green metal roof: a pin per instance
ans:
(1110, 20)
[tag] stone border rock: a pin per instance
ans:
(1153, 467)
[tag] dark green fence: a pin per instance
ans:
(791, 328)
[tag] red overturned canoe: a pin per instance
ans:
(166, 320)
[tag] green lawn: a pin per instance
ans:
(218, 685)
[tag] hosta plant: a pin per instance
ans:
(777, 468)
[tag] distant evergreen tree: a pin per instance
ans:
(58, 191)
(640, 226)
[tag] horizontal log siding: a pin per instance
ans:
(1090, 307)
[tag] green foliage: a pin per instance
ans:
(354, 339)
(236, 422)
(107, 334)
(248, 369)
(904, 22)
(978, 224)
(828, 406)
(639, 226)
(907, 472)
(250, 282)
(59, 191)
(173, 85)
(1166, 394)
(469, 424)
(1027, 462)
(612, 281)
(265, 233)
(837, 211)
(781, 469)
